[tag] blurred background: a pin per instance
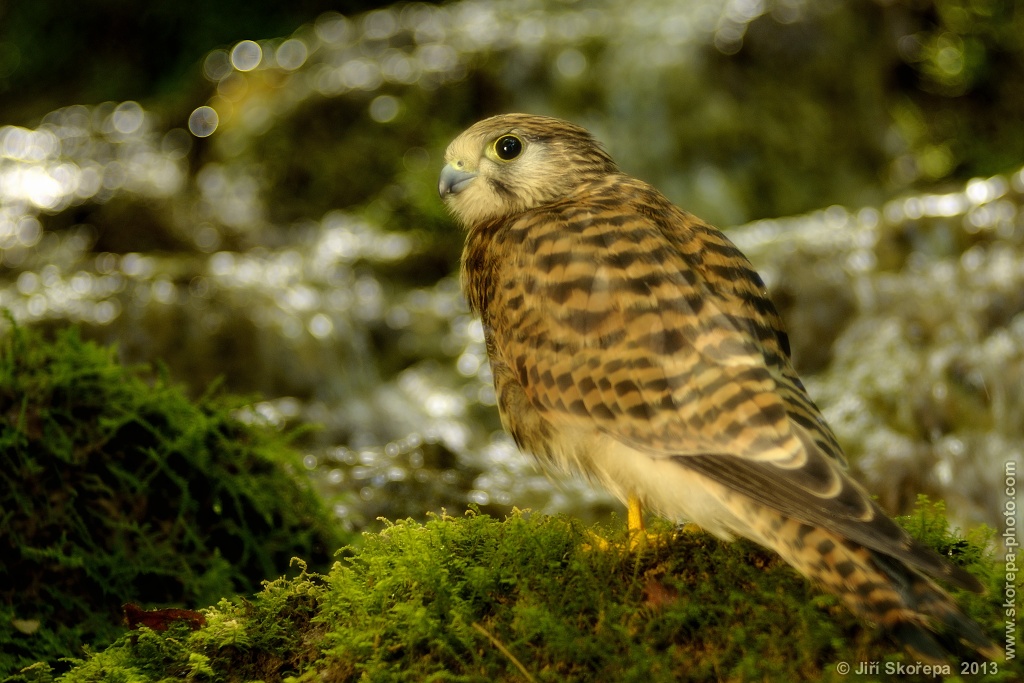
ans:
(247, 191)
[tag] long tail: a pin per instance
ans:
(879, 588)
(930, 623)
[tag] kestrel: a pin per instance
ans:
(633, 342)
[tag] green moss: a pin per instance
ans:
(527, 598)
(115, 487)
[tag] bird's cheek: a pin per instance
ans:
(465, 206)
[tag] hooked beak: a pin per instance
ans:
(453, 181)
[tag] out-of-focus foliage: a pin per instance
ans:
(61, 52)
(115, 487)
(964, 61)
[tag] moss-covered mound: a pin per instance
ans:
(115, 487)
(530, 599)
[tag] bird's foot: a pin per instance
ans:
(638, 541)
(639, 537)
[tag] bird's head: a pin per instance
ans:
(511, 163)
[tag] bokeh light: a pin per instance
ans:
(384, 108)
(203, 121)
(217, 65)
(246, 55)
(291, 54)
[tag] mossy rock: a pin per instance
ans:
(117, 487)
(531, 598)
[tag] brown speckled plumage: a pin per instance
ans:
(633, 342)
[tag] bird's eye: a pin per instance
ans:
(508, 147)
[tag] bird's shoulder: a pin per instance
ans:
(622, 245)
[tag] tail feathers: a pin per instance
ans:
(920, 643)
(884, 590)
(935, 648)
(931, 626)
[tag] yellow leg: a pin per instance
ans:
(634, 516)
(638, 538)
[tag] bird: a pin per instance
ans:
(634, 343)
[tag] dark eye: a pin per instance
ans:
(508, 147)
